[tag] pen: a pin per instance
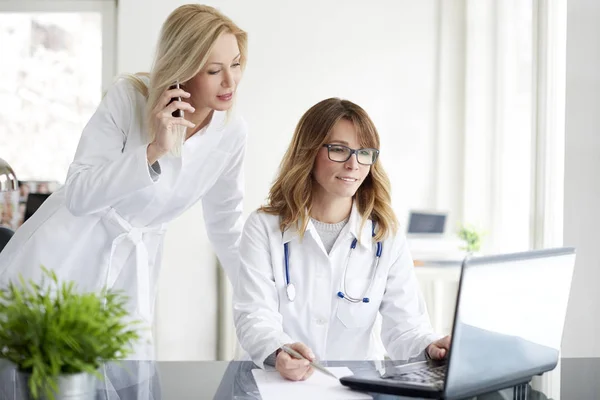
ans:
(316, 366)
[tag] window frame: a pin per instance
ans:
(107, 10)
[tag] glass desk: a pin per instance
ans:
(145, 380)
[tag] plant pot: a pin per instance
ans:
(80, 386)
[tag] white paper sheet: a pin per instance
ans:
(272, 386)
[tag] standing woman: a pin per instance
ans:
(323, 257)
(138, 167)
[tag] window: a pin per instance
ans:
(499, 153)
(57, 58)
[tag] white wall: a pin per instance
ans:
(582, 184)
(380, 54)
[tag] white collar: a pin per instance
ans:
(352, 228)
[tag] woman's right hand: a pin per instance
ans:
(292, 368)
(165, 124)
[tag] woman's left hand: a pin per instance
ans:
(438, 350)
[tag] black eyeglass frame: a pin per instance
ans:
(352, 152)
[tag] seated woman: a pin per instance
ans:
(324, 255)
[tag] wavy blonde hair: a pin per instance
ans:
(291, 195)
(186, 39)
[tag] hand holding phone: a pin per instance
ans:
(169, 124)
(176, 113)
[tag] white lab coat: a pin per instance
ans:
(105, 226)
(333, 328)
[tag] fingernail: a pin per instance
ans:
(193, 109)
(311, 355)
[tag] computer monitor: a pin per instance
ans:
(426, 223)
(34, 201)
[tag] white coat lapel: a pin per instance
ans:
(291, 233)
(364, 235)
(202, 143)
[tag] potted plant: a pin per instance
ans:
(471, 237)
(58, 337)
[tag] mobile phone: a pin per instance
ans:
(176, 113)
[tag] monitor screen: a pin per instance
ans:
(426, 223)
(34, 201)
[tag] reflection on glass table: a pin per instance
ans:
(147, 380)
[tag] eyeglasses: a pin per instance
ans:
(339, 153)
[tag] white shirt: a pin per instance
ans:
(105, 227)
(333, 328)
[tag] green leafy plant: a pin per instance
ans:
(471, 236)
(49, 330)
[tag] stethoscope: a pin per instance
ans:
(290, 289)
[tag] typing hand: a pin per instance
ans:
(292, 368)
(438, 350)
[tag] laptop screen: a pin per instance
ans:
(509, 320)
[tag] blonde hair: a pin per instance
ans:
(290, 196)
(186, 39)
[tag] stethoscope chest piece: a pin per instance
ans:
(290, 290)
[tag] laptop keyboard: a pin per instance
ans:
(431, 375)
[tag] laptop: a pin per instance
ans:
(508, 327)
